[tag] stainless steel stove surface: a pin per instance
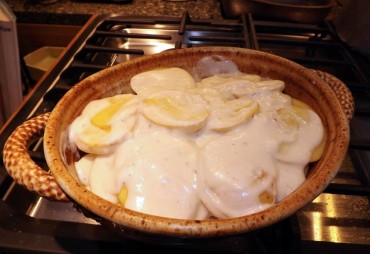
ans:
(338, 221)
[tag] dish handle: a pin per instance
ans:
(341, 91)
(22, 168)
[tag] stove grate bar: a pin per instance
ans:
(185, 19)
(102, 49)
(88, 67)
(348, 189)
(297, 42)
(216, 39)
(109, 22)
(132, 35)
(286, 28)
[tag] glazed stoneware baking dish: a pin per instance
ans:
(326, 95)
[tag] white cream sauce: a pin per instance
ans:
(230, 155)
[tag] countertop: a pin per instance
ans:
(77, 12)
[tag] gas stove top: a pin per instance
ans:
(338, 221)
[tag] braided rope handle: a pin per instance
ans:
(20, 165)
(28, 174)
(341, 91)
